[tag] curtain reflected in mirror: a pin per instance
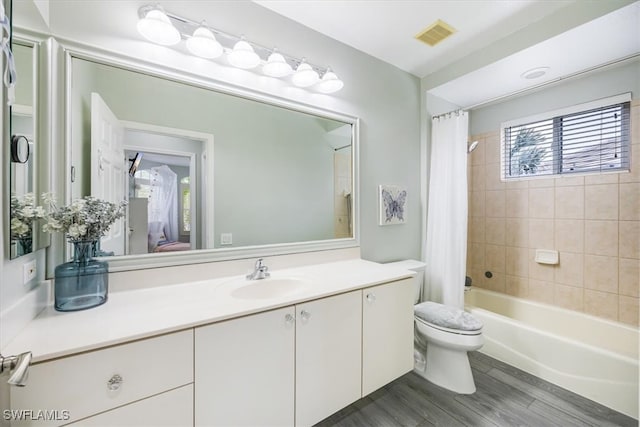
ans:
(24, 198)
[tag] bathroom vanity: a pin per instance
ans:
(288, 350)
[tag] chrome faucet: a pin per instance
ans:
(18, 367)
(260, 271)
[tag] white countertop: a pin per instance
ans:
(137, 314)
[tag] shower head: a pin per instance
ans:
(472, 146)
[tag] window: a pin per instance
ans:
(589, 138)
(186, 205)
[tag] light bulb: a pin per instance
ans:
(330, 83)
(156, 27)
(243, 56)
(276, 66)
(304, 76)
(204, 44)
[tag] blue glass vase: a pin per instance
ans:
(83, 282)
(25, 246)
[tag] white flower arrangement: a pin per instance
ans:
(88, 218)
(23, 214)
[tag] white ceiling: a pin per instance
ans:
(604, 40)
(496, 40)
(386, 30)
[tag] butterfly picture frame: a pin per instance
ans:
(393, 202)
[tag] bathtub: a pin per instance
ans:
(593, 357)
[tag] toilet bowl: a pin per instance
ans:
(443, 336)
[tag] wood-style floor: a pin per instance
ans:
(505, 396)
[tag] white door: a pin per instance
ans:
(108, 167)
(328, 356)
(387, 333)
(245, 371)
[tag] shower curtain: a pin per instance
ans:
(446, 245)
(163, 206)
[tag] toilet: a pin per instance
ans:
(443, 336)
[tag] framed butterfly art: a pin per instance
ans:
(393, 202)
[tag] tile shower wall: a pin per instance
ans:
(592, 221)
(342, 193)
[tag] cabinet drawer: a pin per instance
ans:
(79, 384)
(173, 408)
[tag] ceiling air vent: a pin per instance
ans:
(435, 33)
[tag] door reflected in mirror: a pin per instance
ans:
(202, 169)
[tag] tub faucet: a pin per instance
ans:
(260, 271)
(18, 367)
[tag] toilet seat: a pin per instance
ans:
(447, 318)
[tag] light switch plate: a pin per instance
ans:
(29, 271)
(226, 239)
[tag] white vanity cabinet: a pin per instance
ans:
(387, 333)
(294, 365)
(90, 383)
(245, 371)
(250, 371)
(328, 356)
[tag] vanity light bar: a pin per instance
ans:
(168, 29)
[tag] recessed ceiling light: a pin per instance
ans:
(534, 73)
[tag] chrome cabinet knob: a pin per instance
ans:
(371, 297)
(305, 315)
(115, 382)
(290, 319)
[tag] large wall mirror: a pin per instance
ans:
(23, 224)
(206, 173)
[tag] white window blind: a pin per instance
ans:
(593, 140)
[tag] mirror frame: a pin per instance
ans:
(40, 111)
(69, 50)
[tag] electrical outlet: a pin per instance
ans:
(226, 238)
(29, 271)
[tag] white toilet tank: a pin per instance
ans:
(418, 267)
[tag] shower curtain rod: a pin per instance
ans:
(554, 81)
(456, 112)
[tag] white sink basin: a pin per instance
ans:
(271, 287)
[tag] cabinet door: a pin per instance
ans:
(173, 408)
(244, 371)
(387, 333)
(328, 356)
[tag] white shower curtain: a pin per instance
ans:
(446, 245)
(163, 206)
